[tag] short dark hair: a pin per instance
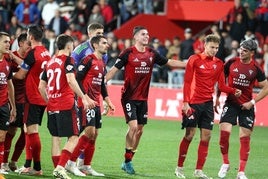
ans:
(36, 31)
(22, 37)
(137, 29)
(212, 38)
(62, 40)
(94, 26)
(4, 34)
(249, 44)
(96, 39)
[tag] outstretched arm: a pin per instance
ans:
(176, 63)
(226, 89)
(260, 95)
(111, 73)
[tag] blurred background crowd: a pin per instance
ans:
(247, 19)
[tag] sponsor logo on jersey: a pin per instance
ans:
(235, 70)
(136, 60)
(202, 67)
(143, 64)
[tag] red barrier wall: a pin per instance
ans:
(166, 104)
(158, 26)
(198, 10)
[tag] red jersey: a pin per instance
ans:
(90, 75)
(201, 75)
(138, 71)
(5, 75)
(35, 60)
(60, 95)
(19, 85)
(243, 77)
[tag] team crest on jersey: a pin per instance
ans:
(96, 68)
(250, 72)
(151, 59)
(69, 67)
(7, 67)
(235, 70)
(2, 75)
(214, 66)
(81, 67)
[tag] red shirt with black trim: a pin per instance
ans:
(36, 59)
(60, 94)
(138, 70)
(242, 76)
(19, 85)
(5, 75)
(91, 71)
(201, 75)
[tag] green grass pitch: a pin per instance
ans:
(157, 153)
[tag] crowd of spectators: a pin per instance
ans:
(248, 19)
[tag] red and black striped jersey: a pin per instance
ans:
(5, 75)
(242, 76)
(90, 75)
(19, 85)
(138, 70)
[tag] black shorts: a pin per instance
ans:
(232, 113)
(33, 114)
(4, 117)
(203, 116)
(135, 110)
(19, 117)
(63, 123)
(91, 117)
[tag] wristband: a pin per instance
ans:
(253, 101)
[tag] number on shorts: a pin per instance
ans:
(90, 114)
(128, 107)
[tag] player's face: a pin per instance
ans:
(70, 46)
(4, 44)
(142, 37)
(25, 45)
(103, 46)
(95, 33)
(245, 54)
(211, 48)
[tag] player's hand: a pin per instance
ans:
(11, 55)
(13, 115)
(91, 102)
(108, 107)
(238, 92)
(85, 103)
(247, 106)
(105, 108)
(185, 108)
(217, 105)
